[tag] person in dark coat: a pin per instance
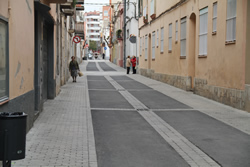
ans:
(73, 68)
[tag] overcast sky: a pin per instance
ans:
(91, 7)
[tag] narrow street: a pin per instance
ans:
(111, 119)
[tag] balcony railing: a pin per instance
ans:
(79, 27)
(93, 33)
(93, 22)
(94, 28)
(57, 1)
(94, 39)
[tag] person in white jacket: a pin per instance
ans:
(128, 64)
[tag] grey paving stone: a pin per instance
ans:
(107, 99)
(105, 67)
(92, 67)
(124, 138)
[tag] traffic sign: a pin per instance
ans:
(132, 39)
(77, 39)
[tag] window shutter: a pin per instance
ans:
(203, 31)
(231, 20)
(183, 37)
(215, 17)
(146, 47)
(153, 45)
(170, 37)
(162, 39)
(176, 31)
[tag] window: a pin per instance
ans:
(142, 42)
(203, 32)
(176, 30)
(145, 11)
(152, 7)
(3, 62)
(162, 39)
(146, 47)
(105, 13)
(140, 7)
(157, 40)
(153, 45)
(183, 36)
(140, 46)
(215, 17)
(231, 20)
(170, 38)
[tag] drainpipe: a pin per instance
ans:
(124, 34)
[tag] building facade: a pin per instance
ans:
(116, 30)
(92, 29)
(199, 46)
(35, 49)
(132, 24)
(105, 29)
(17, 57)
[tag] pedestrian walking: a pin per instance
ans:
(128, 64)
(103, 56)
(133, 61)
(73, 68)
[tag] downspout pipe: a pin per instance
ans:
(124, 34)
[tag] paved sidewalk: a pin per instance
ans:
(63, 135)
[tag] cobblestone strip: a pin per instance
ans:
(91, 138)
(189, 152)
(99, 68)
(114, 83)
(193, 155)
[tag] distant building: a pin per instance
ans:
(132, 28)
(116, 29)
(105, 30)
(92, 29)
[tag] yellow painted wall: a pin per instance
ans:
(224, 65)
(21, 47)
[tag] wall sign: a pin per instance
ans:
(77, 39)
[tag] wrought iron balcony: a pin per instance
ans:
(79, 29)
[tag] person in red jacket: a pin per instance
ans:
(133, 61)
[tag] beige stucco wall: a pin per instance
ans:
(4, 9)
(21, 47)
(247, 66)
(224, 65)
